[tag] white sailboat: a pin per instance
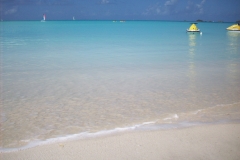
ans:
(44, 18)
(73, 18)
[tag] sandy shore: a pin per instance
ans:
(217, 142)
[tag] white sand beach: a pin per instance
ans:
(216, 142)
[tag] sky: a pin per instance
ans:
(174, 10)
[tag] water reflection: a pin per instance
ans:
(233, 54)
(191, 55)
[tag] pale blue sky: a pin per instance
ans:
(179, 10)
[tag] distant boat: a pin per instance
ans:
(193, 28)
(235, 27)
(44, 18)
(73, 18)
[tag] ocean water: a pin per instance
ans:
(76, 79)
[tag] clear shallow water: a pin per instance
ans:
(84, 78)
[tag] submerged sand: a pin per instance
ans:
(217, 142)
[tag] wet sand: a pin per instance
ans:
(221, 142)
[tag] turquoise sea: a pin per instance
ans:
(62, 80)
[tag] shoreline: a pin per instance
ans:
(143, 127)
(213, 141)
(166, 122)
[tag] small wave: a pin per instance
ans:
(170, 121)
(175, 116)
(82, 135)
(146, 123)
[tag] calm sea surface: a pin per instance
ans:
(76, 79)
